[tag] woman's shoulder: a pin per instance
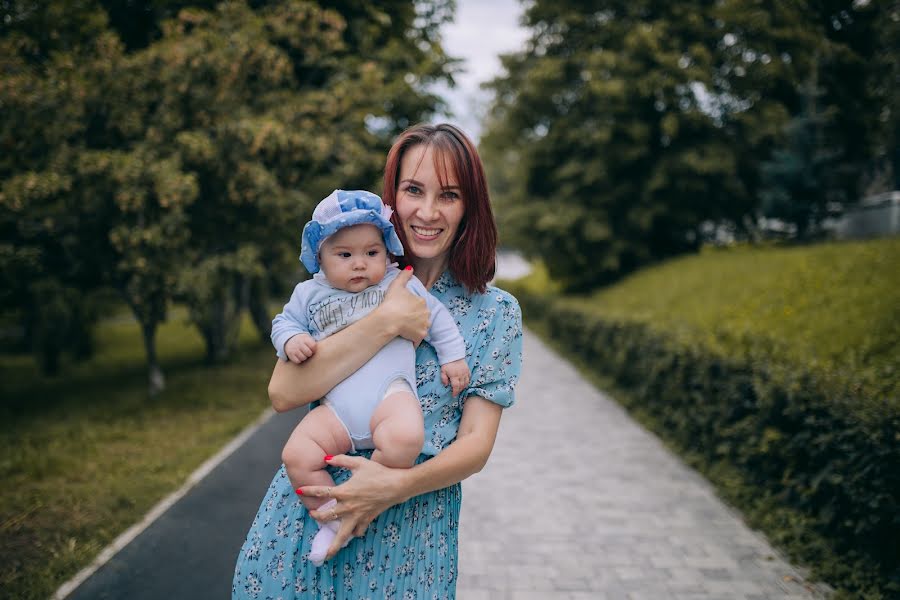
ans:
(492, 308)
(500, 296)
(454, 294)
(495, 297)
(507, 314)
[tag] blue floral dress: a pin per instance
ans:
(410, 550)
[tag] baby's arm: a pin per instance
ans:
(289, 327)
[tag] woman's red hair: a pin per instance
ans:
(473, 255)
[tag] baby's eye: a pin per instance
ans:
(344, 254)
(374, 253)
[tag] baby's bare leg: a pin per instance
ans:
(318, 434)
(398, 430)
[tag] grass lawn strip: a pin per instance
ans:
(87, 454)
(833, 308)
(161, 507)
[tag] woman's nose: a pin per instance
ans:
(428, 209)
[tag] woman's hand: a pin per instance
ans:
(374, 488)
(403, 311)
(370, 491)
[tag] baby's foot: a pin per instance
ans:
(326, 534)
(322, 542)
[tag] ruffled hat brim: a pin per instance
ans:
(356, 208)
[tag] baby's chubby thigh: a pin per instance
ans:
(398, 428)
(319, 433)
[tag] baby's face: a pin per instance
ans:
(354, 258)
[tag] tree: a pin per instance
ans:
(622, 161)
(802, 184)
(91, 204)
(183, 144)
(624, 127)
(49, 240)
(883, 83)
(830, 96)
(271, 116)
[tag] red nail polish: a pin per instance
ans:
(299, 492)
(328, 457)
(407, 268)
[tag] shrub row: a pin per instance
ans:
(785, 433)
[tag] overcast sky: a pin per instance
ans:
(483, 30)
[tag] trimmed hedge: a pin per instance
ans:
(794, 438)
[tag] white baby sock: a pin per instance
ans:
(324, 537)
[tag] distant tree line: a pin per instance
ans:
(170, 150)
(626, 131)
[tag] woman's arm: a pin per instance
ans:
(374, 488)
(337, 356)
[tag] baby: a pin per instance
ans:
(345, 246)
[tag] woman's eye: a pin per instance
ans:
(450, 195)
(413, 189)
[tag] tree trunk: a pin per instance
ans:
(214, 333)
(48, 355)
(257, 305)
(222, 326)
(156, 379)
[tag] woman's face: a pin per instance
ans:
(429, 213)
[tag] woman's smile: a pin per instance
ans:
(426, 233)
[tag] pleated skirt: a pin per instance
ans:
(409, 552)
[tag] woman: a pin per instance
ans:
(405, 519)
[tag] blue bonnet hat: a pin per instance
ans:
(343, 209)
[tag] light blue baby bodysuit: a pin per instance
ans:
(321, 310)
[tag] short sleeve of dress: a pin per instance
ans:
(497, 360)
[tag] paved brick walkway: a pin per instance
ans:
(580, 502)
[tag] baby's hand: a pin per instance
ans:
(455, 373)
(300, 347)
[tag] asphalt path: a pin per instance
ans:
(190, 551)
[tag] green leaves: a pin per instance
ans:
(191, 141)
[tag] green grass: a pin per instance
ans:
(834, 308)
(86, 454)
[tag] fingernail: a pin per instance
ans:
(407, 268)
(328, 457)
(299, 492)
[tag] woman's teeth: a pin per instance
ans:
(426, 232)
